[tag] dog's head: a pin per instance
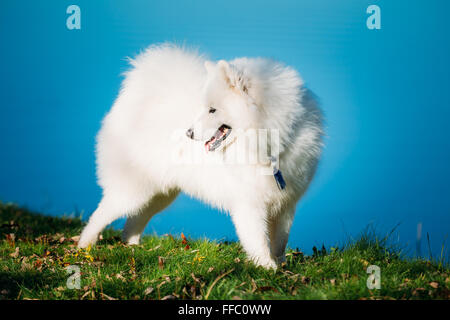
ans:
(227, 105)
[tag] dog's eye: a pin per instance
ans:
(212, 110)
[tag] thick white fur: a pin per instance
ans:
(165, 90)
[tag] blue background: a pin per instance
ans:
(385, 94)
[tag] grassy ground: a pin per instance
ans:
(36, 250)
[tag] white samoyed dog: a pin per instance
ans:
(184, 123)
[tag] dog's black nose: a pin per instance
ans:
(190, 133)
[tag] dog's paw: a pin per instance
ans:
(131, 239)
(86, 241)
(266, 263)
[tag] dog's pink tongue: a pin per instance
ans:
(209, 142)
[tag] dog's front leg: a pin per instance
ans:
(252, 230)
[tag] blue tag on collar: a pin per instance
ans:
(277, 174)
(279, 179)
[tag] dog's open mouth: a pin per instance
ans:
(216, 140)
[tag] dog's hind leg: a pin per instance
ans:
(102, 216)
(135, 224)
(110, 208)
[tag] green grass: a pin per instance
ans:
(35, 251)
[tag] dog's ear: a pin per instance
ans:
(209, 66)
(234, 77)
(224, 66)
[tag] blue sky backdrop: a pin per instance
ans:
(385, 94)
